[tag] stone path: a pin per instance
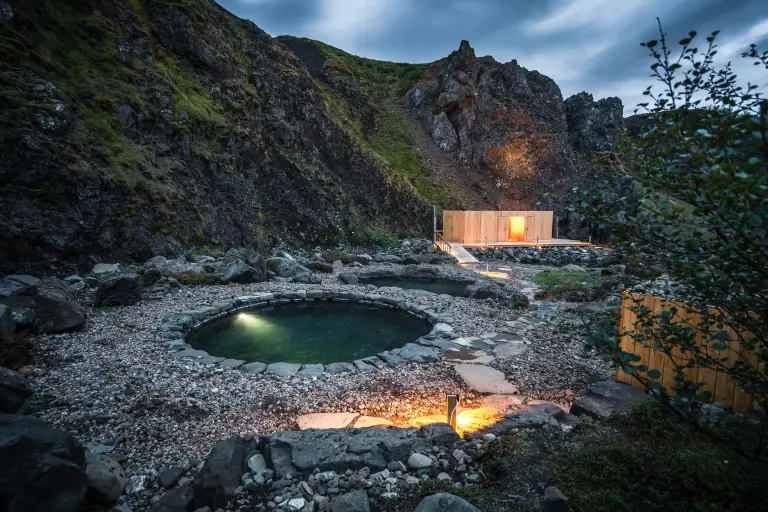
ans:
(485, 379)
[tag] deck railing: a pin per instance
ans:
(441, 243)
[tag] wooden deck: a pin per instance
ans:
(554, 242)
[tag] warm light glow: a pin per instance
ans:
(251, 320)
(495, 275)
(516, 229)
(473, 420)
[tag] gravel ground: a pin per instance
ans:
(115, 385)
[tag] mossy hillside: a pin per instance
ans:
(383, 83)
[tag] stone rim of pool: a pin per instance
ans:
(178, 327)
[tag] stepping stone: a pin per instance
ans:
(370, 421)
(467, 355)
(475, 342)
(510, 349)
(503, 336)
(253, 368)
(283, 369)
(485, 379)
(326, 420)
(338, 368)
(191, 353)
(232, 363)
(209, 360)
(311, 370)
(362, 366)
(375, 361)
(437, 343)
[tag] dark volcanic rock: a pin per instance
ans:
(511, 124)
(606, 398)
(47, 306)
(444, 502)
(355, 501)
(239, 272)
(14, 390)
(43, 469)
(220, 476)
(118, 290)
(284, 267)
(175, 500)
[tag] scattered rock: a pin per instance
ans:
(444, 502)
(419, 461)
(355, 501)
(106, 478)
(47, 306)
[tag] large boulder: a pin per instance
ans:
(355, 501)
(16, 285)
(284, 267)
(106, 478)
(118, 290)
(14, 390)
(238, 271)
(606, 398)
(180, 499)
(444, 502)
(222, 470)
(483, 290)
(45, 306)
(42, 470)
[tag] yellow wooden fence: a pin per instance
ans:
(721, 387)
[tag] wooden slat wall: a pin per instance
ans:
(721, 387)
(474, 227)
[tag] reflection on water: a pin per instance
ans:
(455, 288)
(309, 332)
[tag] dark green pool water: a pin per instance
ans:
(309, 332)
(438, 286)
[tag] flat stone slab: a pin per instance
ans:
(311, 370)
(475, 342)
(338, 368)
(232, 363)
(326, 420)
(283, 369)
(371, 421)
(510, 349)
(504, 404)
(606, 398)
(467, 355)
(393, 359)
(502, 336)
(485, 379)
(253, 367)
(436, 342)
(191, 353)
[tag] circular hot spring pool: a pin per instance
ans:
(320, 332)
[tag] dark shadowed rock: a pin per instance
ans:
(6, 320)
(43, 469)
(444, 502)
(175, 500)
(14, 390)
(348, 278)
(106, 478)
(606, 398)
(220, 476)
(169, 477)
(239, 272)
(594, 125)
(554, 500)
(355, 501)
(47, 306)
(284, 267)
(483, 290)
(440, 433)
(299, 452)
(118, 290)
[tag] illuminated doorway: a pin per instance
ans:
(516, 229)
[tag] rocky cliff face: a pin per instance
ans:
(137, 127)
(131, 128)
(510, 125)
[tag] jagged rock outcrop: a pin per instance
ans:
(164, 125)
(594, 125)
(511, 124)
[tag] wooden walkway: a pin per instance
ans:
(461, 254)
(554, 242)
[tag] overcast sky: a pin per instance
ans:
(584, 45)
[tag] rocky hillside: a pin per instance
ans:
(130, 128)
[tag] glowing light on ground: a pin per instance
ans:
(468, 420)
(495, 275)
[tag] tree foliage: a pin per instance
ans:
(696, 208)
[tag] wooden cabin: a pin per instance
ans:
(497, 227)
